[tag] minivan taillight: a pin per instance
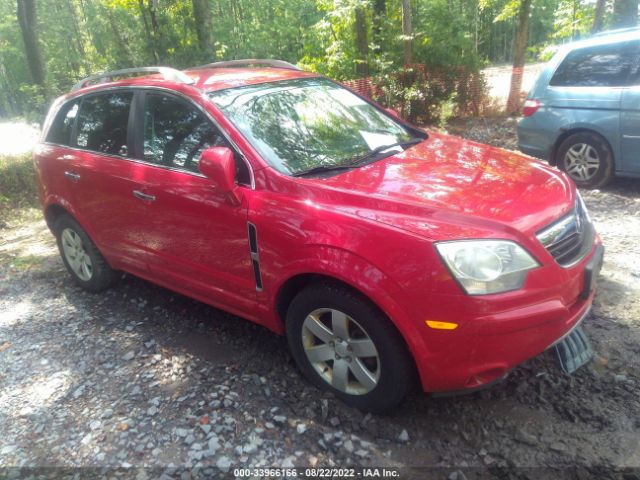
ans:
(530, 107)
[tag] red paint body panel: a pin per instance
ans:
(373, 228)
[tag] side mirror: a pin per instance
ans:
(218, 165)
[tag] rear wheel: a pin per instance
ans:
(82, 259)
(342, 343)
(587, 159)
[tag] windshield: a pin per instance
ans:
(306, 124)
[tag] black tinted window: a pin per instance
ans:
(60, 130)
(102, 123)
(603, 66)
(175, 133)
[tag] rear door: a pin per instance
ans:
(630, 120)
(103, 178)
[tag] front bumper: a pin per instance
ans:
(489, 346)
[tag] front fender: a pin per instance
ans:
(360, 274)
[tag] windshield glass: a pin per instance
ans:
(304, 124)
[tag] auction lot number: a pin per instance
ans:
(315, 473)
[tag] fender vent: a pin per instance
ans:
(255, 260)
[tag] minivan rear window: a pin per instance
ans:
(601, 66)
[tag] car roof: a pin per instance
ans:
(605, 38)
(205, 79)
(211, 79)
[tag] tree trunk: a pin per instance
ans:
(625, 13)
(379, 14)
(598, 19)
(27, 18)
(153, 14)
(407, 32)
(520, 48)
(151, 44)
(202, 17)
(123, 47)
(76, 29)
(7, 101)
(362, 46)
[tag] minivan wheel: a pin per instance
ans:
(587, 159)
(83, 261)
(344, 344)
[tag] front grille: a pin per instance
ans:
(570, 238)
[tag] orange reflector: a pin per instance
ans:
(441, 325)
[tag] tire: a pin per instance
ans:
(370, 379)
(91, 272)
(587, 159)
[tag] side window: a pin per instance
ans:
(175, 133)
(102, 123)
(60, 130)
(603, 66)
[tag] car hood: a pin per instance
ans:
(450, 179)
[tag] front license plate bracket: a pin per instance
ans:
(574, 350)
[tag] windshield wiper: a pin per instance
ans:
(322, 169)
(357, 161)
(369, 155)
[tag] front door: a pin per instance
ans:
(197, 240)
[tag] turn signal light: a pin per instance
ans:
(441, 325)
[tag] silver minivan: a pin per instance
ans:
(583, 113)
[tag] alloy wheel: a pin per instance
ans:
(341, 351)
(582, 162)
(76, 254)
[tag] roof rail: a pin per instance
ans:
(616, 31)
(249, 62)
(167, 72)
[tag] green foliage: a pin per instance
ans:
(573, 19)
(80, 37)
(17, 184)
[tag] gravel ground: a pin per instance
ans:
(142, 377)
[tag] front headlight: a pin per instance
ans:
(487, 266)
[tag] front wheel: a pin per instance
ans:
(82, 259)
(587, 159)
(342, 343)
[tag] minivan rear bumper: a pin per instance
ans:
(533, 151)
(535, 138)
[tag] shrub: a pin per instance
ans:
(424, 95)
(17, 184)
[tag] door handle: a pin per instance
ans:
(143, 196)
(74, 177)
(67, 157)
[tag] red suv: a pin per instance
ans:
(385, 254)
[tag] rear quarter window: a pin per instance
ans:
(60, 130)
(601, 66)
